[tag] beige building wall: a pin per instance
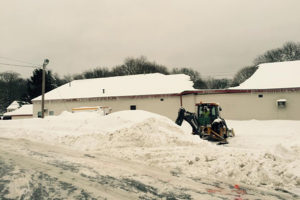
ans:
(245, 106)
(163, 105)
(235, 106)
(20, 117)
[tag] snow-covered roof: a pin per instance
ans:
(14, 105)
(274, 75)
(143, 84)
(24, 110)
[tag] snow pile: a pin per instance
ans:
(263, 153)
(90, 131)
(265, 169)
(151, 132)
(272, 152)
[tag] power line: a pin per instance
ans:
(15, 65)
(18, 60)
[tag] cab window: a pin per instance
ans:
(213, 110)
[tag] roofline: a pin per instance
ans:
(226, 91)
(129, 75)
(113, 97)
(209, 91)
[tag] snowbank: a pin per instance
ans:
(90, 131)
(263, 153)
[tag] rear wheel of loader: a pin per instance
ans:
(218, 128)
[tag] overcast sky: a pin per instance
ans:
(215, 37)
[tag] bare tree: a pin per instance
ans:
(289, 52)
(141, 66)
(218, 83)
(199, 83)
(243, 75)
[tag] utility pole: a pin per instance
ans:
(46, 61)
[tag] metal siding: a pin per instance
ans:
(168, 107)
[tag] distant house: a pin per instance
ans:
(272, 92)
(13, 106)
(156, 93)
(23, 112)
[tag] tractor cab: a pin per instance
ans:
(207, 113)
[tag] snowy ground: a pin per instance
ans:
(141, 155)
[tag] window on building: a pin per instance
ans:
(51, 112)
(281, 103)
(133, 107)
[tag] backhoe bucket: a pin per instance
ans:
(180, 116)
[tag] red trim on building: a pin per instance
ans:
(114, 97)
(217, 91)
(226, 91)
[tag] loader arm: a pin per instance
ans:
(189, 118)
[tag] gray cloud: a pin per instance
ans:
(216, 37)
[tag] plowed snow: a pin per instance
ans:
(263, 153)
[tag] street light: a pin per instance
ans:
(46, 61)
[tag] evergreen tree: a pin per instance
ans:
(12, 88)
(243, 74)
(34, 83)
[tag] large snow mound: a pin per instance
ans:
(88, 131)
(263, 153)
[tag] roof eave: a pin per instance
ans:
(222, 91)
(105, 97)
